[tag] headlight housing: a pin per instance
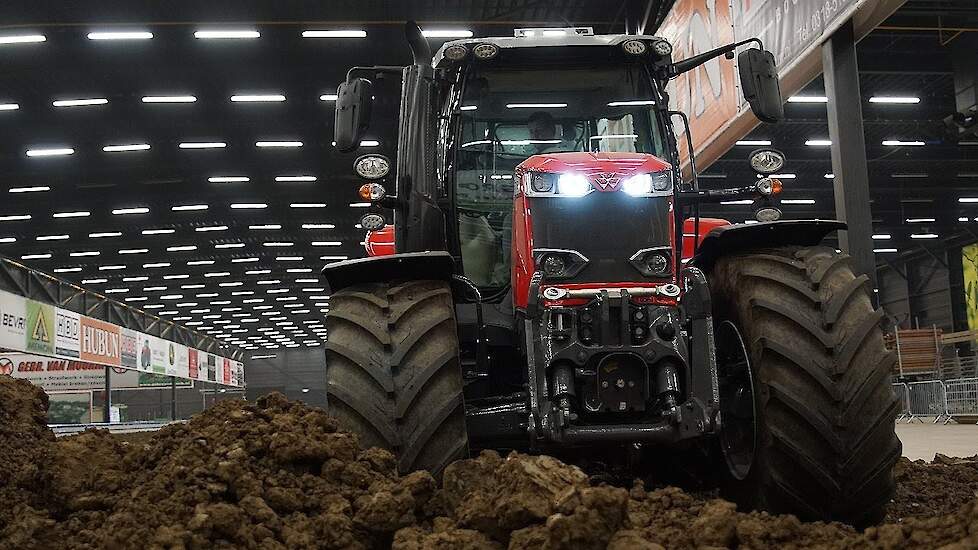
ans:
(558, 263)
(372, 167)
(653, 262)
(546, 184)
(648, 185)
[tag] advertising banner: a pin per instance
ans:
(129, 352)
(708, 94)
(100, 342)
(74, 375)
(792, 30)
(969, 268)
(67, 329)
(68, 341)
(40, 327)
(13, 321)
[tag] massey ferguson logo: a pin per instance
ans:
(606, 181)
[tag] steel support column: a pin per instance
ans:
(107, 404)
(851, 183)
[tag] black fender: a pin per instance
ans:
(732, 239)
(410, 266)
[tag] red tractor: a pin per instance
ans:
(554, 289)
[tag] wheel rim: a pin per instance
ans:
(737, 409)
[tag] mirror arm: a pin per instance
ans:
(687, 64)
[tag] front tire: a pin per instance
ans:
(392, 371)
(824, 440)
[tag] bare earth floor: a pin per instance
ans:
(923, 440)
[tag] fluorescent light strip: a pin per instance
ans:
(258, 98)
(881, 237)
(921, 220)
(22, 39)
(278, 144)
(105, 234)
(884, 250)
(808, 99)
(123, 148)
(229, 245)
(66, 269)
(51, 237)
(351, 33)
(277, 244)
(909, 175)
(631, 103)
(212, 228)
(468, 107)
(248, 205)
(797, 201)
(737, 202)
(228, 179)
(198, 262)
(93, 281)
(754, 142)
(924, 236)
(35, 257)
(125, 211)
(121, 35)
(50, 152)
(15, 217)
(9, 106)
(8, 240)
(224, 35)
(447, 33)
(267, 226)
(203, 145)
(318, 226)
(535, 105)
(295, 178)
(897, 143)
(371, 143)
(328, 97)
(968, 199)
(188, 207)
(182, 248)
(330, 243)
(169, 99)
(818, 142)
(133, 251)
(158, 231)
(40, 188)
(359, 204)
(80, 102)
(893, 99)
(308, 205)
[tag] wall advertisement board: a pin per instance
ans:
(77, 343)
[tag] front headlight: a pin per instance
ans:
(637, 185)
(573, 185)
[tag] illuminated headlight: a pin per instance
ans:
(573, 185)
(768, 214)
(372, 191)
(373, 222)
(637, 185)
(634, 47)
(662, 47)
(456, 52)
(652, 262)
(485, 51)
(372, 167)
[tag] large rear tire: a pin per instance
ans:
(823, 442)
(393, 374)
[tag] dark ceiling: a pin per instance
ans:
(254, 283)
(234, 284)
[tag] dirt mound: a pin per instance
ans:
(927, 489)
(278, 474)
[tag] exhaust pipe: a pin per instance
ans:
(420, 50)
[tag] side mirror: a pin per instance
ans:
(354, 103)
(759, 80)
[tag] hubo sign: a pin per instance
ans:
(72, 342)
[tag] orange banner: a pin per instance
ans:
(100, 341)
(707, 94)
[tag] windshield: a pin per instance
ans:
(508, 114)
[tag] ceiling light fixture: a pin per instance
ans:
(228, 179)
(279, 144)
(9, 106)
(22, 39)
(897, 143)
(80, 102)
(124, 148)
(818, 142)
(125, 211)
(893, 99)
(203, 145)
(348, 33)
(258, 98)
(158, 231)
(328, 97)
(754, 142)
(808, 99)
(105, 234)
(248, 205)
(212, 228)
(51, 237)
(29, 189)
(169, 99)
(294, 178)
(120, 35)
(85, 254)
(50, 152)
(15, 217)
(224, 35)
(188, 207)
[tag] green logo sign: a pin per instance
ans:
(40, 327)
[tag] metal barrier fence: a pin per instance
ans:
(928, 398)
(903, 394)
(962, 397)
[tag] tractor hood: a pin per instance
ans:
(591, 164)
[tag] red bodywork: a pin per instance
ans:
(381, 243)
(596, 167)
